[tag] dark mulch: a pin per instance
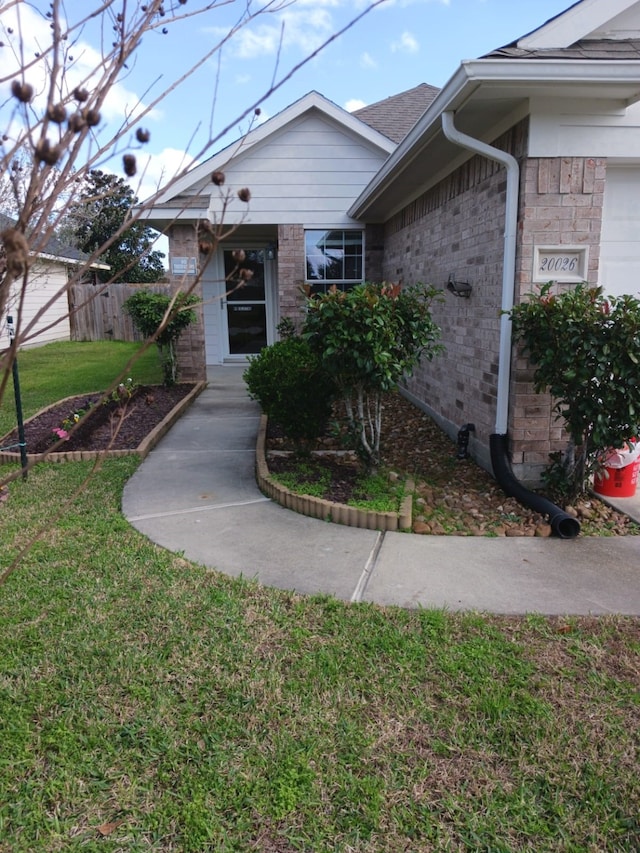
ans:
(453, 496)
(114, 424)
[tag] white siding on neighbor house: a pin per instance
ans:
(47, 280)
(308, 173)
(620, 240)
(562, 128)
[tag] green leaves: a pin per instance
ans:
(103, 207)
(156, 316)
(585, 348)
(367, 339)
(292, 387)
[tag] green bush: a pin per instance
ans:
(585, 350)
(369, 338)
(163, 318)
(287, 380)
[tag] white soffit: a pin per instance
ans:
(587, 19)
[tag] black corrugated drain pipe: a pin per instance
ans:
(562, 524)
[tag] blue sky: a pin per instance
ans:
(396, 46)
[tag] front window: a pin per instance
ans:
(333, 258)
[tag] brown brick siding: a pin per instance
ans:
(191, 349)
(561, 202)
(457, 227)
(291, 270)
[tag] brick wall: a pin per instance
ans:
(457, 227)
(561, 202)
(191, 350)
(291, 271)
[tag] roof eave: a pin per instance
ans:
(521, 77)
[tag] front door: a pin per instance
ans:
(246, 313)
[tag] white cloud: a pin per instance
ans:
(303, 27)
(407, 43)
(156, 170)
(354, 104)
(29, 33)
(367, 61)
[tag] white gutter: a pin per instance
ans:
(509, 267)
(516, 77)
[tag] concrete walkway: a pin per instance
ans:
(196, 494)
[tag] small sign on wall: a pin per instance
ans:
(560, 263)
(183, 266)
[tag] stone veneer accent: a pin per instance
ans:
(457, 227)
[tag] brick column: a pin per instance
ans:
(191, 350)
(561, 203)
(291, 271)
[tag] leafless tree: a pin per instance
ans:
(54, 127)
(57, 124)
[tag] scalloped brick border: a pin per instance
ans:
(328, 510)
(147, 444)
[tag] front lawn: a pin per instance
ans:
(55, 371)
(147, 703)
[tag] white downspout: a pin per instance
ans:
(509, 268)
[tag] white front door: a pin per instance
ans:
(620, 238)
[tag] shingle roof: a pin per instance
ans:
(587, 49)
(54, 247)
(396, 115)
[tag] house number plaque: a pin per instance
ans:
(560, 263)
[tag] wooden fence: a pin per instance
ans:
(98, 315)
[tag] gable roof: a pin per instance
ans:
(488, 95)
(396, 115)
(311, 101)
(585, 19)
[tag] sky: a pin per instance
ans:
(394, 47)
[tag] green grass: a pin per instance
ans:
(147, 703)
(308, 478)
(50, 373)
(312, 477)
(378, 492)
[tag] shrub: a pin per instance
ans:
(585, 349)
(163, 318)
(367, 339)
(288, 381)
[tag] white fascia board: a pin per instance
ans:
(576, 23)
(555, 71)
(313, 100)
(519, 74)
(417, 139)
(71, 262)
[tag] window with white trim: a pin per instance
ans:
(333, 257)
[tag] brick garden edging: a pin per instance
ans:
(145, 446)
(328, 510)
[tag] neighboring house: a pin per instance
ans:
(524, 168)
(46, 292)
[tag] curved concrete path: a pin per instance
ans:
(196, 494)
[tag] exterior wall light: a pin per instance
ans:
(459, 288)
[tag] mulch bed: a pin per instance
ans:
(113, 425)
